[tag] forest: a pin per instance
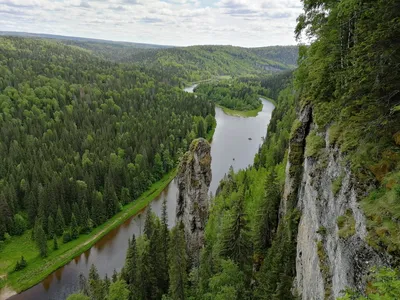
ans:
(350, 76)
(231, 94)
(158, 265)
(182, 65)
(82, 137)
(84, 134)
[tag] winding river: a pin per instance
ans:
(235, 142)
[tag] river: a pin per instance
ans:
(236, 140)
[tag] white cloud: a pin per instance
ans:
(172, 22)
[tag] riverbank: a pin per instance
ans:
(241, 113)
(39, 268)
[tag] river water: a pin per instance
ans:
(235, 142)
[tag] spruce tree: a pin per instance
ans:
(177, 264)
(55, 243)
(50, 226)
(149, 223)
(164, 245)
(74, 228)
(59, 223)
(96, 285)
(236, 241)
(41, 240)
(118, 291)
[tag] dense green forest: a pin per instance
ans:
(181, 65)
(350, 77)
(157, 264)
(81, 137)
(191, 64)
(232, 94)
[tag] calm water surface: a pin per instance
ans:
(236, 141)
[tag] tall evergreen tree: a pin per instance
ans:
(50, 226)
(178, 264)
(236, 241)
(74, 228)
(130, 270)
(149, 223)
(40, 238)
(59, 222)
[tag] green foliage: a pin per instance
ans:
(314, 143)
(55, 242)
(228, 283)
(21, 264)
(384, 284)
(82, 135)
(178, 264)
(350, 76)
(231, 94)
(337, 184)
(236, 243)
(41, 240)
(346, 224)
(78, 297)
(195, 63)
(382, 208)
(19, 224)
(118, 291)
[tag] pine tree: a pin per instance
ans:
(74, 228)
(84, 225)
(164, 244)
(40, 238)
(50, 226)
(96, 285)
(236, 241)
(267, 223)
(149, 223)
(118, 291)
(98, 212)
(130, 268)
(55, 243)
(110, 198)
(114, 277)
(125, 196)
(177, 264)
(145, 276)
(59, 223)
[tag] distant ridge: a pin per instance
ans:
(81, 39)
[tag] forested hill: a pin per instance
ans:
(81, 137)
(284, 54)
(179, 65)
(202, 62)
(110, 50)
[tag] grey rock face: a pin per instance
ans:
(328, 262)
(194, 178)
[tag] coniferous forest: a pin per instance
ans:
(81, 137)
(85, 132)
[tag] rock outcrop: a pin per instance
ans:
(194, 178)
(332, 251)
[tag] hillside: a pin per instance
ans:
(203, 62)
(109, 50)
(80, 139)
(317, 215)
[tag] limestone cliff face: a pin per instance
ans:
(332, 252)
(194, 179)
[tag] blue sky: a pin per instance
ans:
(248, 23)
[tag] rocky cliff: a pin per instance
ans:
(332, 251)
(194, 179)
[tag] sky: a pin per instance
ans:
(247, 23)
